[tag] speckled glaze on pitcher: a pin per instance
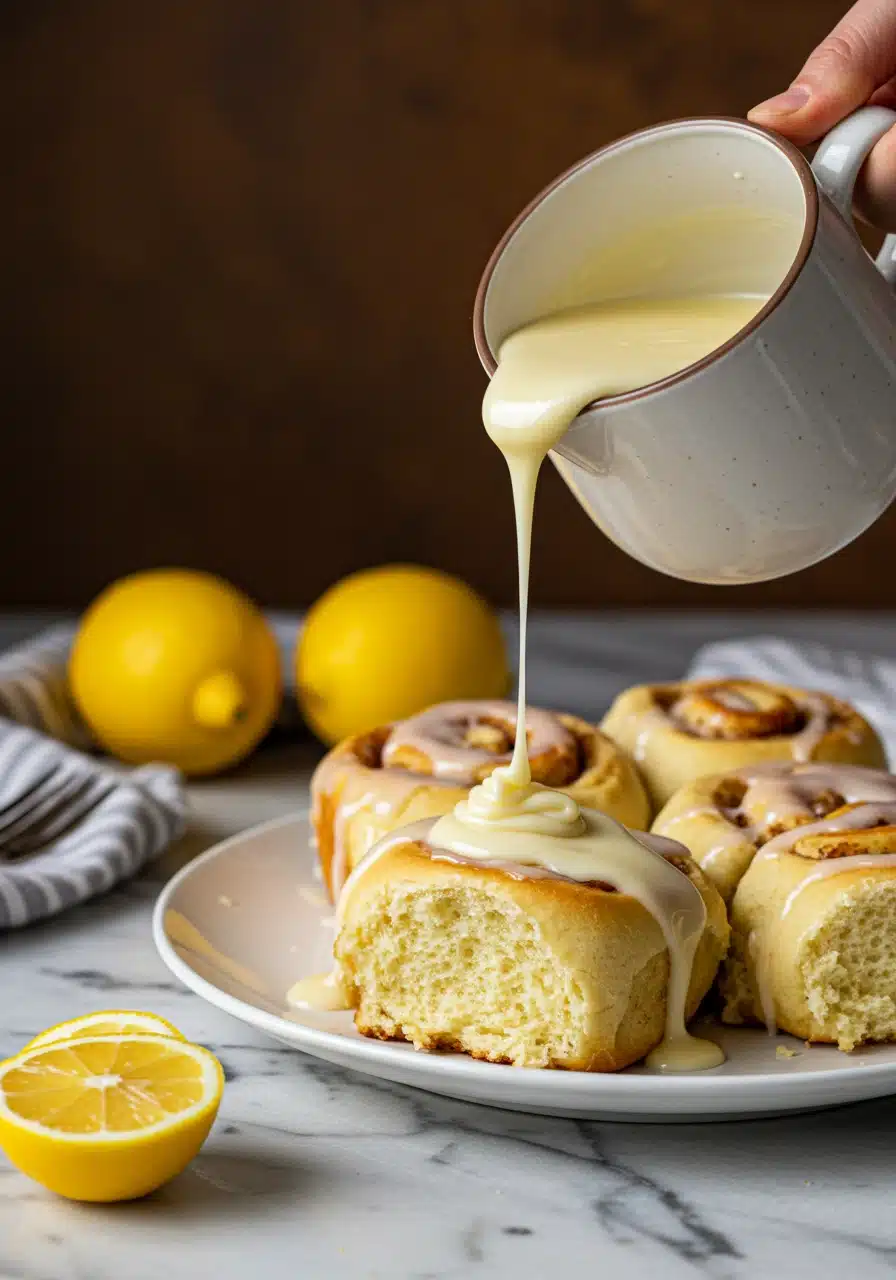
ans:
(778, 448)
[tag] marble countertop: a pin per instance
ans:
(316, 1172)
(313, 1171)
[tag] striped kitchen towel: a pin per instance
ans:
(72, 826)
(34, 687)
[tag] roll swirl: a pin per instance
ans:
(725, 818)
(679, 732)
(375, 782)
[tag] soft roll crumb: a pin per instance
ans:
(532, 972)
(849, 967)
(457, 969)
(829, 949)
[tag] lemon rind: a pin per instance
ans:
(46, 1037)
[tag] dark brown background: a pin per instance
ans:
(207, 206)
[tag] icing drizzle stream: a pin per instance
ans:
(546, 374)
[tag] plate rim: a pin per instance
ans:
(552, 1086)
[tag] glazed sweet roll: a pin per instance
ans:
(678, 732)
(725, 818)
(518, 964)
(375, 782)
(813, 947)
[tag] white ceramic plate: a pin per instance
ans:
(247, 919)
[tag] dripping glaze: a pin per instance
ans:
(547, 373)
(778, 794)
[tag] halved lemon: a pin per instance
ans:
(107, 1117)
(107, 1022)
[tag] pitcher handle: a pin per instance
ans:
(838, 160)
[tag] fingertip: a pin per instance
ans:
(782, 105)
(795, 128)
(802, 115)
(796, 114)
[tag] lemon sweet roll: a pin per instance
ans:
(522, 928)
(813, 919)
(726, 817)
(679, 732)
(375, 782)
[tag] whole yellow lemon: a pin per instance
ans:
(385, 643)
(178, 666)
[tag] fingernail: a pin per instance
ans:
(784, 104)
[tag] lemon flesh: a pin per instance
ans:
(107, 1117)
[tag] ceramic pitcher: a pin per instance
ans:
(779, 447)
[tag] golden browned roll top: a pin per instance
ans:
(679, 732)
(724, 818)
(733, 710)
(375, 782)
(876, 835)
(464, 742)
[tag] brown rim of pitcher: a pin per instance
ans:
(804, 173)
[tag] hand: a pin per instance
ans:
(854, 66)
